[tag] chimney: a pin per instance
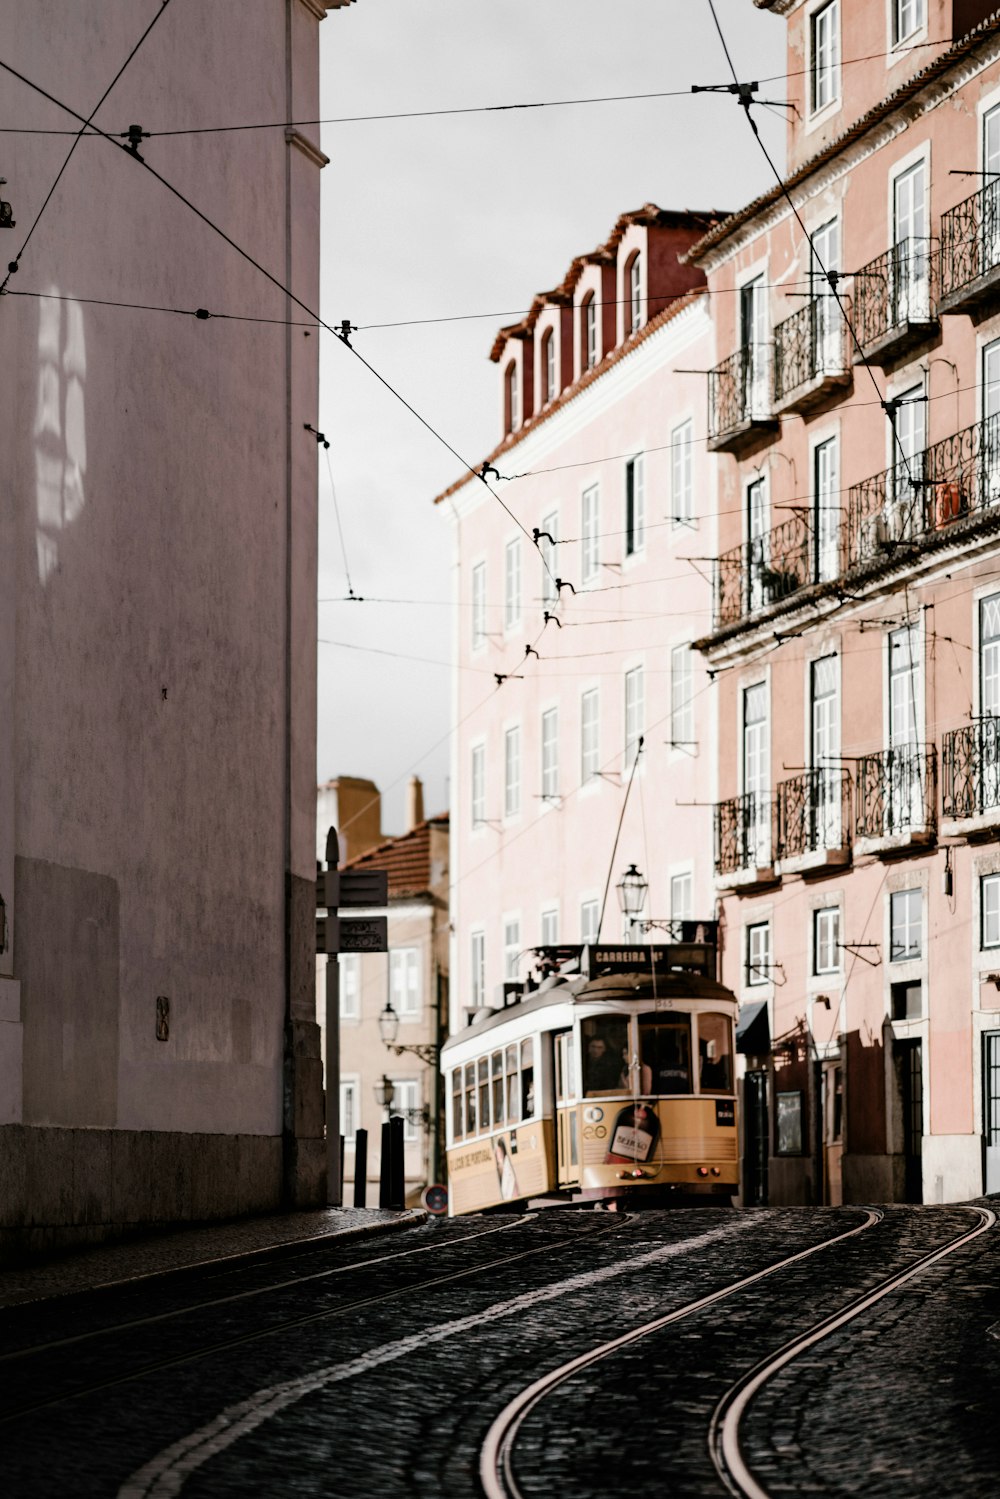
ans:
(414, 803)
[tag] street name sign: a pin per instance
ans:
(364, 934)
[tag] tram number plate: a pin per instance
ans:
(725, 1111)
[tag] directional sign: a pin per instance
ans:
(364, 934)
(364, 887)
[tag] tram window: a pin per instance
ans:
(456, 1104)
(484, 1092)
(605, 1054)
(498, 1087)
(565, 1081)
(513, 1092)
(470, 1098)
(666, 1050)
(715, 1062)
(527, 1079)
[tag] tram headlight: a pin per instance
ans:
(716, 1170)
(702, 1170)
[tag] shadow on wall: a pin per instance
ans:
(60, 426)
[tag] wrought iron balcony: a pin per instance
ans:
(894, 301)
(970, 251)
(970, 771)
(811, 356)
(739, 399)
(919, 502)
(895, 796)
(770, 568)
(814, 819)
(744, 838)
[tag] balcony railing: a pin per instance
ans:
(895, 793)
(970, 769)
(768, 569)
(894, 298)
(916, 499)
(970, 249)
(739, 396)
(813, 811)
(744, 838)
(811, 354)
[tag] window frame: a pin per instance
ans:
(828, 916)
(477, 785)
(634, 705)
(682, 475)
(407, 1087)
(898, 37)
(590, 527)
(477, 967)
(478, 605)
(350, 1084)
(992, 881)
(635, 505)
(512, 584)
(549, 746)
(757, 971)
(590, 736)
(512, 771)
(408, 992)
(349, 963)
(825, 17)
(905, 924)
(682, 727)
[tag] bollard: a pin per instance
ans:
(360, 1168)
(343, 1157)
(383, 1175)
(397, 1178)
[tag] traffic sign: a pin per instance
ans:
(364, 934)
(364, 887)
(435, 1198)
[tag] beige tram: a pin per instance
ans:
(613, 1078)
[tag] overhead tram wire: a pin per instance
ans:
(342, 335)
(417, 114)
(78, 136)
(744, 96)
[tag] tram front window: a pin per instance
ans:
(604, 1043)
(666, 1050)
(715, 1058)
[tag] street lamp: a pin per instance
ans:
(388, 1029)
(632, 889)
(385, 1092)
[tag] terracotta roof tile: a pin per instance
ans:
(406, 859)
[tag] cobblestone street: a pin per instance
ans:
(354, 1366)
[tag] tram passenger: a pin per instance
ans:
(601, 1067)
(634, 1069)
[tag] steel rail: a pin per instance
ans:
(221, 1346)
(723, 1434)
(496, 1473)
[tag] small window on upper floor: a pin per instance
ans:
(512, 401)
(549, 365)
(908, 17)
(588, 331)
(635, 292)
(825, 70)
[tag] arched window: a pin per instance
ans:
(635, 292)
(589, 331)
(549, 365)
(512, 410)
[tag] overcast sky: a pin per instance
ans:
(432, 218)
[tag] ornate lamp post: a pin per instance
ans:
(632, 889)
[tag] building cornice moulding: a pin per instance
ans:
(875, 139)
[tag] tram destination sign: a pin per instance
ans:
(695, 951)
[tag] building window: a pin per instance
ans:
(908, 17)
(477, 969)
(635, 292)
(635, 506)
(478, 785)
(826, 510)
(512, 772)
(758, 954)
(512, 585)
(756, 774)
(825, 27)
(350, 986)
(550, 755)
(350, 1121)
(906, 1000)
(681, 700)
(989, 910)
(548, 538)
(590, 760)
(681, 474)
(905, 925)
(512, 405)
(588, 535)
(682, 897)
(511, 948)
(550, 928)
(404, 981)
(589, 332)
(635, 712)
(549, 365)
(478, 605)
(826, 940)
(589, 917)
(406, 1102)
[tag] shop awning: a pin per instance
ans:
(753, 1034)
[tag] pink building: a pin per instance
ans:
(576, 610)
(856, 624)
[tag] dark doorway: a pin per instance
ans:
(755, 1141)
(991, 1111)
(909, 1073)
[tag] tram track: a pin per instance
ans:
(496, 1462)
(601, 1227)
